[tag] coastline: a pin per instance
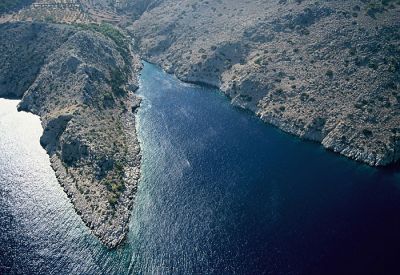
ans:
(87, 108)
(305, 68)
(110, 234)
(316, 135)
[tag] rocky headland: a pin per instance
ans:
(80, 81)
(326, 71)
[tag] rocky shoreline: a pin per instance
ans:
(327, 71)
(81, 81)
(110, 233)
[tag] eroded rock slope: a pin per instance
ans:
(80, 81)
(323, 70)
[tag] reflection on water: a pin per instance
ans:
(221, 193)
(40, 232)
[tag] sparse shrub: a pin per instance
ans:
(372, 65)
(329, 73)
(304, 96)
(116, 82)
(112, 200)
(258, 61)
(367, 133)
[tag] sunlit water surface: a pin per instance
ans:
(221, 193)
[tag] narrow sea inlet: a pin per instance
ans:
(221, 193)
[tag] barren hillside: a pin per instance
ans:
(327, 71)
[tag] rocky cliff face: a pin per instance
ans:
(327, 71)
(80, 81)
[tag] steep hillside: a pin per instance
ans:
(328, 71)
(13, 5)
(80, 81)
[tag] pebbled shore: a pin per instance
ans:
(81, 84)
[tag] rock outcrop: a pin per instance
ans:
(327, 71)
(79, 81)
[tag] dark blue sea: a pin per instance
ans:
(221, 193)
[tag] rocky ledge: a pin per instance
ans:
(80, 80)
(328, 71)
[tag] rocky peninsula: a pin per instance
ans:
(80, 81)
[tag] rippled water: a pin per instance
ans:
(221, 193)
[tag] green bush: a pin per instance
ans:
(367, 133)
(114, 34)
(329, 73)
(112, 200)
